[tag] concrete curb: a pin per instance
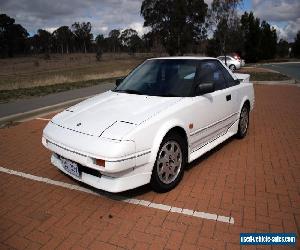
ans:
(286, 82)
(49, 109)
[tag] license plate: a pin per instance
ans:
(71, 167)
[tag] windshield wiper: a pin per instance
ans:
(129, 91)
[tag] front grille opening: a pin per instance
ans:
(89, 171)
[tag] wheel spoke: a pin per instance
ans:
(173, 170)
(164, 160)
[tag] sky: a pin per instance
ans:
(106, 15)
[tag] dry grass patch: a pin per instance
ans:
(21, 93)
(32, 71)
(262, 74)
(251, 69)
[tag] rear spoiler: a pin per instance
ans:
(243, 77)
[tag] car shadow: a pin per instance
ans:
(208, 154)
(147, 188)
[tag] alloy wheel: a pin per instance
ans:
(244, 120)
(169, 162)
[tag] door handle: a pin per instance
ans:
(228, 98)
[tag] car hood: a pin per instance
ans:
(112, 110)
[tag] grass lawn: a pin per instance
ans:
(261, 74)
(268, 76)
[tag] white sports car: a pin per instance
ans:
(166, 113)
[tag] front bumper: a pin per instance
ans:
(135, 178)
(124, 167)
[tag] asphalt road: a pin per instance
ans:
(290, 69)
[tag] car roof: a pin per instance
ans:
(183, 58)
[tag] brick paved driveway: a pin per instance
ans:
(255, 180)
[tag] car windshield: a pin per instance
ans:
(161, 77)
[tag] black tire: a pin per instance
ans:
(156, 179)
(232, 67)
(243, 122)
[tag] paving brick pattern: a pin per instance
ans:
(255, 180)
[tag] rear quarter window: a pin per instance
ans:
(228, 78)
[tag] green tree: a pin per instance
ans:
(296, 46)
(83, 35)
(251, 36)
(63, 36)
(219, 45)
(282, 48)
(114, 40)
(268, 41)
(44, 40)
(259, 38)
(152, 42)
(223, 18)
(179, 22)
(213, 47)
(100, 45)
(131, 40)
(100, 40)
(12, 37)
(136, 44)
(126, 36)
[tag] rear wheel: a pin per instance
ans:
(170, 162)
(243, 122)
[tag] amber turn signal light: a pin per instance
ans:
(100, 162)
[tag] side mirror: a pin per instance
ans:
(205, 87)
(119, 81)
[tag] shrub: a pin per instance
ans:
(99, 55)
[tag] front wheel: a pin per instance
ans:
(243, 122)
(169, 165)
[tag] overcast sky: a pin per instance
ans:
(109, 14)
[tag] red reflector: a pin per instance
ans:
(100, 162)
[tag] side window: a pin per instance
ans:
(176, 77)
(210, 72)
(187, 71)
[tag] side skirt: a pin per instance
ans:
(215, 142)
